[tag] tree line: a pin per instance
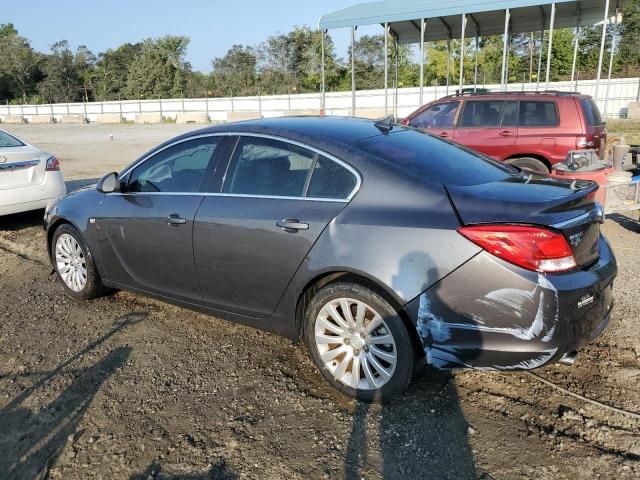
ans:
(290, 63)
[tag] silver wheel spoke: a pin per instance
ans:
(381, 340)
(378, 366)
(341, 369)
(326, 324)
(375, 323)
(346, 312)
(361, 310)
(355, 372)
(333, 313)
(328, 340)
(386, 356)
(368, 373)
(331, 355)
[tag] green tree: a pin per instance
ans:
(629, 51)
(19, 68)
(62, 81)
(112, 69)
(235, 72)
(159, 69)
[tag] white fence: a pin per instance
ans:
(613, 100)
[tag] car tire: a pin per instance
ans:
(74, 264)
(371, 339)
(530, 163)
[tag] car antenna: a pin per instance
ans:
(385, 125)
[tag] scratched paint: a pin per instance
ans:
(541, 303)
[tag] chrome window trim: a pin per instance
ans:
(238, 195)
(256, 135)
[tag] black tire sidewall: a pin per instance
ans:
(93, 288)
(406, 357)
(531, 163)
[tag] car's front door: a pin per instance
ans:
(145, 231)
(489, 127)
(438, 119)
(252, 235)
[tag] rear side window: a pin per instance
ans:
(441, 115)
(331, 180)
(434, 159)
(591, 112)
(488, 113)
(538, 114)
(7, 140)
(262, 166)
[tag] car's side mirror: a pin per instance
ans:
(109, 183)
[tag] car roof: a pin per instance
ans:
(306, 129)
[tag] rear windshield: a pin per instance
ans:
(7, 140)
(435, 159)
(591, 112)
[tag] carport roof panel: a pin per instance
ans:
(486, 17)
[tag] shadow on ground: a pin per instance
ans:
(626, 222)
(31, 439)
(219, 471)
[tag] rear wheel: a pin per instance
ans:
(530, 163)
(74, 264)
(359, 342)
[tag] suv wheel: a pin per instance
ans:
(530, 163)
(359, 342)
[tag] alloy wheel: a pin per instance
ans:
(355, 344)
(71, 262)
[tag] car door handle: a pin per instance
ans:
(292, 225)
(174, 220)
(506, 133)
(443, 134)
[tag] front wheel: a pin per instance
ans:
(74, 264)
(530, 163)
(359, 342)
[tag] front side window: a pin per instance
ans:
(331, 180)
(441, 115)
(262, 166)
(178, 169)
(538, 114)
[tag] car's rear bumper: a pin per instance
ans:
(33, 197)
(490, 314)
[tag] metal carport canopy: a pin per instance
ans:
(486, 17)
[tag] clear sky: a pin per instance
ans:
(212, 26)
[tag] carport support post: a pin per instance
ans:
(575, 57)
(448, 63)
(464, 26)
(395, 101)
(550, 46)
(507, 15)
(421, 61)
(602, 42)
(386, 69)
(475, 72)
(322, 80)
(540, 58)
(614, 37)
(353, 71)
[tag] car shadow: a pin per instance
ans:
(32, 439)
(625, 222)
(424, 433)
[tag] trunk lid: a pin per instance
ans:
(21, 166)
(567, 206)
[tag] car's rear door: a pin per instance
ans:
(145, 231)
(21, 165)
(488, 126)
(254, 230)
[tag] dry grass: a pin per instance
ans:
(630, 129)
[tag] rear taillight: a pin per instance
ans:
(533, 248)
(585, 141)
(405, 122)
(53, 165)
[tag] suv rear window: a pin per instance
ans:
(591, 112)
(435, 159)
(538, 114)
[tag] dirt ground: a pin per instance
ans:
(128, 388)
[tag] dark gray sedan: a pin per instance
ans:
(377, 244)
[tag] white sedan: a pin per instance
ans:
(29, 177)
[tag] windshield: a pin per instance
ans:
(436, 159)
(7, 140)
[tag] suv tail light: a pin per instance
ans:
(586, 141)
(53, 165)
(533, 248)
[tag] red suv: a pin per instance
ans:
(529, 130)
